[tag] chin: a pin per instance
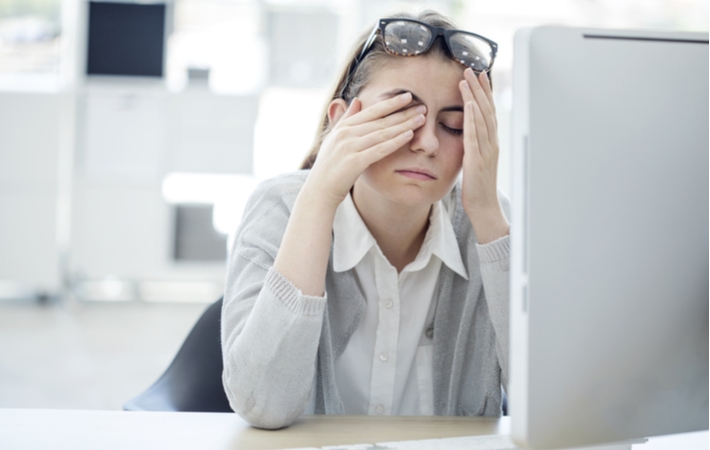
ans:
(412, 196)
(405, 193)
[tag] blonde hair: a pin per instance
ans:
(348, 87)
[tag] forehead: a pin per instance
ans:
(431, 78)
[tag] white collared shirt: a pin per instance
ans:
(386, 367)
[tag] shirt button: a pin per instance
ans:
(380, 409)
(384, 356)
(389, 304)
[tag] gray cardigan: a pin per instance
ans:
(279, 346)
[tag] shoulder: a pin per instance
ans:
(279, 192)
(267, 212)
(282, 188)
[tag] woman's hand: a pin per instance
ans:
(480, 161)
(360, 138)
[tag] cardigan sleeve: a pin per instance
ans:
(494, 258)
(270, 330)
(495, 274)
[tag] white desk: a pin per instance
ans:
(59, 429)
(77, 430)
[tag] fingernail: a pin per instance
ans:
(419, 119)
(405, 96)
(421, 109)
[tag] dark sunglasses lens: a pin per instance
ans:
(471, 51)
(406, 38)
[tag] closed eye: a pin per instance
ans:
(454, 131)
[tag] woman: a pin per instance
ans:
(373, 282)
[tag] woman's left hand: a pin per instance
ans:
(480, 161)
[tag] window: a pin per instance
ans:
(30, 33)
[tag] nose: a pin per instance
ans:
(425, 139)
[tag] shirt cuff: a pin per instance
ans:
(292, 297)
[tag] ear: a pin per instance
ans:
(336, 109)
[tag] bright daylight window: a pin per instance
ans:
(30, 33)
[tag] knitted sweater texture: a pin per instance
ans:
(279, 346)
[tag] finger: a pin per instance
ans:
(487, 88)
(353, 108)
(391, 120)
(380, 135)
(382, 109)
(466, 92)
(484, 144)
(383, 149)
(363, 136)
(469, 129)
(482, 100)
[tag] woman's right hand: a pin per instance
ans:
(360, 138)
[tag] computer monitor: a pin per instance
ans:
(126, 38)
(609, 265)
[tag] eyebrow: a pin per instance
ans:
(415, 98)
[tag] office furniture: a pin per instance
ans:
(130, 137)
(77, 430)
(193, 381)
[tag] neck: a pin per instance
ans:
(398, 229)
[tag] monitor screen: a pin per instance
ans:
(126, 39)
(609, 262)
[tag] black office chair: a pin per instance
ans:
(193, 381)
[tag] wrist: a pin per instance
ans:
(488, 223)
(319, 189)
(318, 200)
(308, 233)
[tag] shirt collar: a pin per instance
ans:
(352, 240)
(440, 241)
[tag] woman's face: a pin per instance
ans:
(424, 170)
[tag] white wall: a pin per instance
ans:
(29, 149)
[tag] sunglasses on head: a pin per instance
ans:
(407, 37)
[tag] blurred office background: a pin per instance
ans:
(131, 135)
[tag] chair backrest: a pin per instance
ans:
(193, 381)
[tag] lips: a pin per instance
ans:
(417, 173)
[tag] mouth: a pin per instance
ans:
(417, 174)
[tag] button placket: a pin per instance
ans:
(384, 365)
